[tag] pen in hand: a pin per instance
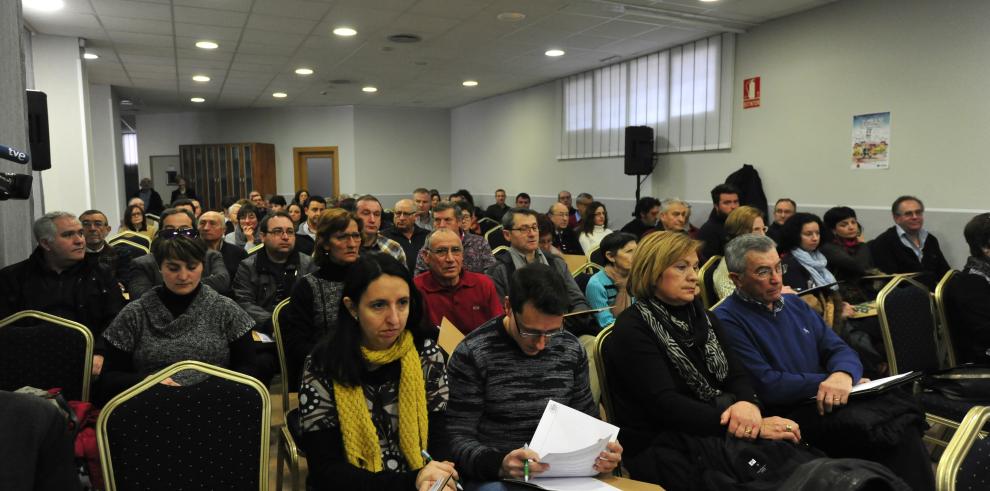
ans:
(526, 464)
(426, 455)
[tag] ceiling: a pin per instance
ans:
(147, 48)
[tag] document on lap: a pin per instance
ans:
(570, 441)
(564, 484)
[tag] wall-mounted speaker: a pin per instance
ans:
(639, 150)
(41, 153)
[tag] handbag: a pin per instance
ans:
(969, 382)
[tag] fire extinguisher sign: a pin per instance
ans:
(751, 93)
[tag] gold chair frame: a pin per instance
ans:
(969, 431)
(73, 325)
(947, 348)
(587, 267)
(106, 460)
(255, 249)
(125, 234)
(710, 263)
(600, 369)
(286, 442)
(493, 230)
(499, 249)
(147, 250)
(482, 219)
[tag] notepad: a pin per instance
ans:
(450, 336)
(570, 441)
(564, 484)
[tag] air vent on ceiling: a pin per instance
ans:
(404, 38)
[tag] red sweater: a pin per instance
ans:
(469, 304)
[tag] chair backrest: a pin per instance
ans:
(495, 237)
(45, 351)
(907, 321)
(499, 249)
(132, 236)
(707, 285)
(947, 349)
(965, 464)
(584, 273)
(280, 347)
(131, 248)
(255, 249)
(600, 368)
(207, 435)
(151, 217)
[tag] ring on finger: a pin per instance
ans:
(789, 428)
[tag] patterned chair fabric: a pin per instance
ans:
(965, 464)
(208, 435)
(908, 324)
(45, 355)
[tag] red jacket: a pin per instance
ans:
(468, 305)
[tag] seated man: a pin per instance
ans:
(793, 357)
(369, 210)
(465, 298)
(674, 214)
(97, 228)
(306, 236)
(211, 230)
(646, 212)
(265, 278)
(564, 237)
(498, 209)
(782, 210)
(522, 200)
(502, 375)
(477, 253)
(145, 273)
(725, 198)
(424, 218)
(907, 247)
(405, 232)
(564, 198)
(57, 280)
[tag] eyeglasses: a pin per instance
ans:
(765, 272)
(282, 231)
(536, 333)
(760, 229)
(345, 236)
(404, 213)
(443, 251)
(526, 229)
(171, 233)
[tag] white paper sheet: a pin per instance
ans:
(572, 484)
(878, 382)
(570, 441)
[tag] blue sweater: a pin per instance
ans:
(788, 353)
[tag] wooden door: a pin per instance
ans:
(316, 170)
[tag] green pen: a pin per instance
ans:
(526, 464)
(426, 455)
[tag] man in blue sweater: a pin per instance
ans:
(792, 357)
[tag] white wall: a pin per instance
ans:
(398, 150)
(108, 161)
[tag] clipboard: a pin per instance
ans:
(880, 385)
(589, 311)
(450, 336)
(817, 289)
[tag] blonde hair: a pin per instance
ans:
(657, 252)
(740, 221)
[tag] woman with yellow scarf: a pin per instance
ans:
(373, 395)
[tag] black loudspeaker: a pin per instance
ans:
(41, 152)
(639, 150)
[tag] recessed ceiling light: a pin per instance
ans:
(304, 71)
(197, 100)
(511, 16)
(207, 45)
(280, 95)
(44, 5)
(201, 78)
(344, 31)
(90, 56)
(370, 89)
(554, 52)
(469, 83)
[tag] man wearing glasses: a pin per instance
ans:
(96, 228)
(406, 232)
(503, 373)
(465, 298)
(908, 247)
(564, 237)
(145, 273)
(477, 253)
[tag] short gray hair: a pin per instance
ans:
(585, 196)
(667, 203)
(429, 238)
(509, 218)
(448, 205)
(44, 228)
(737, 248)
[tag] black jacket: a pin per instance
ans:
(232, 256)
(410, 246)
(712, 233)
(567, 241)
(967, 299)
(190, 193)
(155, 207)
(256, 287)
(747, 181)
(892, 257)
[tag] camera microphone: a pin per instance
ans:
(14, 155)
(15, 186)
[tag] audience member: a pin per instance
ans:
(369, 210)
(467, 299)
(231, 215)
(503, 374)
(469, 221)
(583, 200)
(406, 233)
(966, 296)
(743, 220)
(645, 216)
(182, 191)
(498, 209)
(546, 228)
(313, 311)
(375, 394)
(564, 237)
(180, 319)
(607, 288)
(792, 356)
(258, 200)
(96, 228)
(295, 212)
(674, 214)
(245, 234)
(907, 247)
(185, 204)
(301, 197)
(522, 200)
(306, 233)
(149, 197)
(434, 197)
(594, 226)
(424, 218)
(145, 273)
(564, 198)
(38, 446)
(266, 278)
(678, 394)
(197, 208)
(725, 198)
(277, 203)
(211, 231)
(477, 253)
(782, 210)
(136, 221)
(135, 201)
(847, 253)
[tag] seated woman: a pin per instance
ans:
(676, 391)
(135, 221)
(312, 312)
(374, 394)
(806, 267)
(847, 253)
(295, 214)
(245, 234)
(607, 288)
(967, 293)
(181, 319)
(300, 197)
(742, 220)
(594, 227)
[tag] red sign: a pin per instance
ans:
(751, 92)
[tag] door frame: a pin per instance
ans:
(300, 174)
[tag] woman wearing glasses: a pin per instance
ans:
(743, 220)
(180, 319)
(313, 311)
(374, 391)
(135, 221)
(676, 390)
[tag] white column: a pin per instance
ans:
(107, 171)
(58, 72)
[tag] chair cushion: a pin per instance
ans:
(43, 356)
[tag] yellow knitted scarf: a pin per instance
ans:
(360, 437)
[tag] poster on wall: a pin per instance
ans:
(751, 93)
(871, 141)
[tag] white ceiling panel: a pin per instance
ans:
(269, 37)
(291, 8)
(140, 39)
(292, 25)
(218, 34)
(145, 26)
(133, 10)
(621, 29)
(235, 5)
(210, 17)
(457, 9)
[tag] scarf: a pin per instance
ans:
(360, 437)
(667, 327)
(815, 263)
(979, 267)
(850, 245)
